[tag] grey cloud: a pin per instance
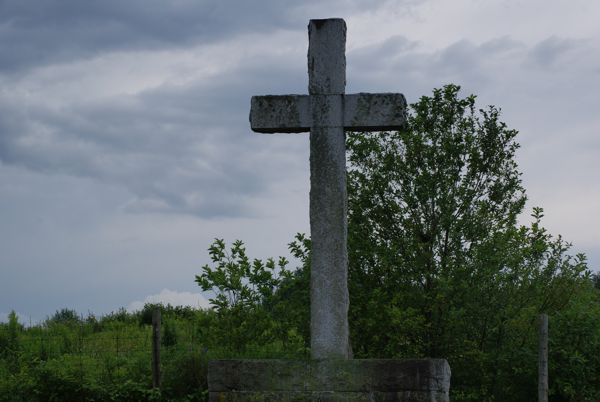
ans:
(179, 149)
(40, 32)
(593, 259)
(180, 163)
(37, 32)
(373, 57)
(553, 50)
(478, 66)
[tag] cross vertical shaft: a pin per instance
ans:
(328, 201)
(326, 112)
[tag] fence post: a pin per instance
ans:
(543, 359)
(156, 348)
(81, 350)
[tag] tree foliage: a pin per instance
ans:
(249, 314)
(422, 202)
(439, 266)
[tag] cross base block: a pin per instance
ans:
(373, 380)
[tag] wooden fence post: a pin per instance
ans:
(543, 359)
(156, 348)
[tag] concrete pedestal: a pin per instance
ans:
(417, 380)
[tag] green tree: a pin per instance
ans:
(290, 304)
(438, 265)
(64, 316)
(9, 335)
(236, 281)
(244, 292)
(420, 202)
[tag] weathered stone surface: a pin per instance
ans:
(374, 112)
(280, 114)
(327, 56)
(328, 206)
(329, 298)
(356, 380)
(299, 396)
(361, 112)
(327, 111)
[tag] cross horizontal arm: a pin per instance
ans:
(362, 112)
(374, 112)
(280, 114)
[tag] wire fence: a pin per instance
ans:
(80, 347)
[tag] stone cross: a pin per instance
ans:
(326, 112)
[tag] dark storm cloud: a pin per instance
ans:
(39, 32)
(177, 148)
(34, 32)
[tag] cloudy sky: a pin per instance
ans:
(125, 146)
